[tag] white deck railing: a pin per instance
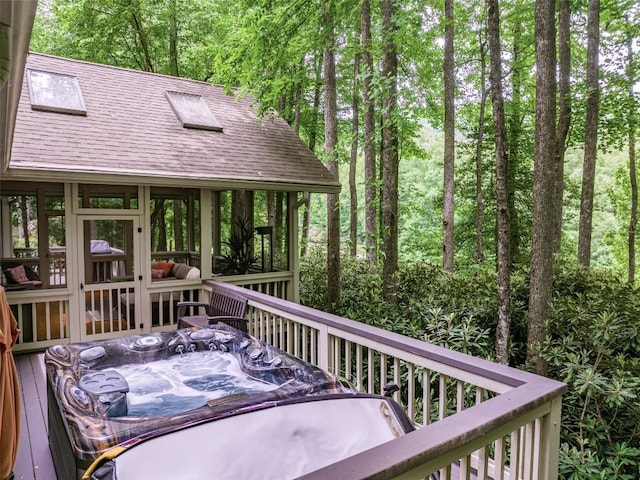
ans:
(477, 419)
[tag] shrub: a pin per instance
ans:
(593, 343)
(594, 347)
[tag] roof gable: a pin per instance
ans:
(130, 130)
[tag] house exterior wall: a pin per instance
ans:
(58, 315)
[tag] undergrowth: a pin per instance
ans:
(593, 343)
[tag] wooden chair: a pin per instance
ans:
(226, 307)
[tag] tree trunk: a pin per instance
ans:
(590, 133)
(331, 143)
(479, 167)
(313, 134)
(564, 117)
(543, 171)
(279, 220)
(449, 140)
(162, 228)
(633, 218)
(24, 215)
(389, 153)
(370, 171)
(502, 207)
(136, 22)
(173, 39)
(177, 225)
(298, 103)
(353, 193)
(514, 136)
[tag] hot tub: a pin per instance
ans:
(139, 406)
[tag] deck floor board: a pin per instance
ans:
(34, 460)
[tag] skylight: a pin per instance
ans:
(192, 111)
(55, 92)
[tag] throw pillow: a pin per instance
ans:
(156, 273)
(193, 274)
(18, 273)
(31, 273)
(166, 268)
(181, 271)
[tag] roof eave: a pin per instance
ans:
(16, 17)
(94, 177)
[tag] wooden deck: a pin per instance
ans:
(34, 457)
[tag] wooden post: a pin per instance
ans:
(549, 457)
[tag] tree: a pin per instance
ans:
(479, 140)
(389, 158)
(544, 158)
(173, 39)
(590, 133)
(502, 208)
(370, 189)
(564, 117)
(331, 143)
(631, 122)
(353, 193)
(313, 134)
(515, 131)
(449, 139)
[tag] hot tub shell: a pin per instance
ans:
(87, 405)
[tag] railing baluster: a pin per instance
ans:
(442, 397)
(411, 391)
(514, 460)
(498, 461)
(47, 320)
(347, 360)
(370, 371)
(359, 367)
(383, 372)
(397, 378)
(426, 396)
(299, 342)
(314, 347)
(527, 451)
(535, 450)
(465, 468)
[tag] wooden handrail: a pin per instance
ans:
(521, 398)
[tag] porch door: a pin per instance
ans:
(109, 274)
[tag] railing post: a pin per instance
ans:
(550, 441)
(324, 350)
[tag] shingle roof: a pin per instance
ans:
(131, 132)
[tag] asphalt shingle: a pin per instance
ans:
(131, 130)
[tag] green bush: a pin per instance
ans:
(593, 344)
(594, 347)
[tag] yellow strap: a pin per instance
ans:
(108, 455)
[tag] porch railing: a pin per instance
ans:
(276, 284)
(477, 419)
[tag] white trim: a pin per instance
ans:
(56, 173)
(206, 232)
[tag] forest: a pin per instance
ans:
(487, 153)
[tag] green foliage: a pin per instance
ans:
(594, 342)
(594, 347)
(240, 257)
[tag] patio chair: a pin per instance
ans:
(225, 307)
